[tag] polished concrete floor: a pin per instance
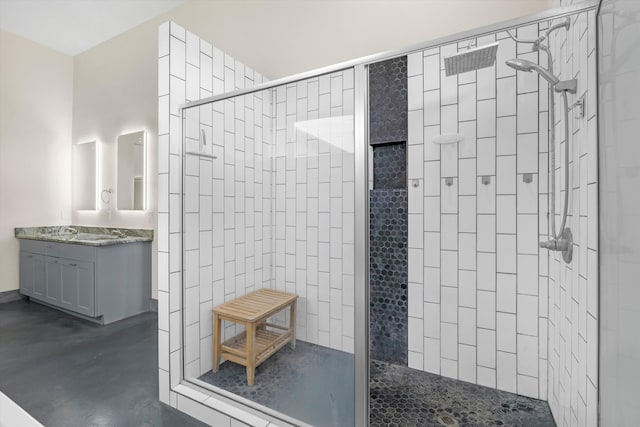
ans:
(67, 372)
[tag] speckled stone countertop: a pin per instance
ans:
(82, 235)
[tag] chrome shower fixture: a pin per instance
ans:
(524, 65)
(564, 24)
(562, 242)
(558, 85)
(471, 59)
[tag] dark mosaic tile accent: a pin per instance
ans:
(390, 166)
(388, 275)
(400, 396)
(388, 101)
(311, 383)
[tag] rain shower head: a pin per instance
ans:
(524, 65)
(471, 59)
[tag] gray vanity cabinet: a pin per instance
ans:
(99, 283)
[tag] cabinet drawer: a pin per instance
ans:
(59, 250)
(35, 246)
(72, 252)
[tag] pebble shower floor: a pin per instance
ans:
(403, 397)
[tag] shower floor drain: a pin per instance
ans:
(446, 420)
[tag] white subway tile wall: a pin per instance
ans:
(227, 200)
(227, 234)
(489, 292)
(573, 295)
(314, 206)
(274, 209)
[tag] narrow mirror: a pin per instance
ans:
(131, 171)
(84, 176)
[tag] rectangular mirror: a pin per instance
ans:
(131, 171)
(84, 176)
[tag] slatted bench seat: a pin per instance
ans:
(257, 343)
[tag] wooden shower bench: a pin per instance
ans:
(257, 343)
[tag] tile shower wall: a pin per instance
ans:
(573, 296)
(477, 286)
(227, 205)
(388, 255)
(314, 205)
(388, 101)
(227, 201)
(492, 298)
(260, 214)
(388, 210)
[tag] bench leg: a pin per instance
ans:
(251, 352)
(217, 342)
(292, 325)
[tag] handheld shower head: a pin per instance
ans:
(524, 65)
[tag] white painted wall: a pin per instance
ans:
(36, 86)
(331, 31)
(115, 90)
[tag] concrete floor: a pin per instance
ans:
(67, 372)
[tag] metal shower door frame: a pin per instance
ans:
(361, 257)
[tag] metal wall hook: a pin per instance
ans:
(486, 180)
(527, 178)
(448, 181)
(106, 192)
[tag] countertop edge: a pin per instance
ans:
(106, 242)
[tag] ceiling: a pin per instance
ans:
(73, 26)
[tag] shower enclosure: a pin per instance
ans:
(269, 202)
(404, 207)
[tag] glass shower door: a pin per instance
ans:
(268, 204)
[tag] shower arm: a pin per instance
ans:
(538, 42)
(517, 40)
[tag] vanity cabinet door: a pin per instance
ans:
(26, 273)
(54, 280)
(32, 274)
(78, 286)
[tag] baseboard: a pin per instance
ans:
(9, 296)
(153, 305)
